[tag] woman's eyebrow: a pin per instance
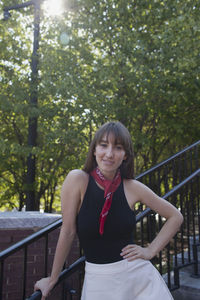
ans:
(103, 141)
(118, 143)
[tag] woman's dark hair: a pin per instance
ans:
(123, 137)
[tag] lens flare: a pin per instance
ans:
(53, 7)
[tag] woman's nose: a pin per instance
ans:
(109, 152)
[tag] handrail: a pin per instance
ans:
(167, 160)
(19, 245)
(168, 194)
(178, 186)
(44, 231)
(31, 238)
(64, 274)
(75, 266)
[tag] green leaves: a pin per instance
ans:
(133, 61)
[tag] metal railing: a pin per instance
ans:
(76, 266)
(164, 176)
(182, 250)
(167, 174)
(173, 178)
(23, 245)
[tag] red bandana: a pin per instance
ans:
(110, 187)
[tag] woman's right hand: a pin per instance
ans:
(45, 285)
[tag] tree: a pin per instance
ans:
(133, 61)
(144, 67)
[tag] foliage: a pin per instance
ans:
(133, 61)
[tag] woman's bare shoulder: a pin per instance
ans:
(78, 174)
(138, 187)
(74, 185)
(133, 183)
(77, 178)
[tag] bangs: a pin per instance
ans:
(118, 133)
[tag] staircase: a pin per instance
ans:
(190, 286)
(175, 179)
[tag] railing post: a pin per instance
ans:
(152, 227)
(1, 280)
(25, 272)
(46, 255)
(195, 256)
(176, 277)
(186, 194)
(70, 291)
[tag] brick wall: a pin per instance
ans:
(13, 265)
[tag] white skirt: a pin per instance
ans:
(123, 280)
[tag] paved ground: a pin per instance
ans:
(190, 287)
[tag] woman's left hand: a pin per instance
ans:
(131, 252)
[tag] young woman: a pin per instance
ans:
(98, 203)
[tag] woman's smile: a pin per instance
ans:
(108, 162)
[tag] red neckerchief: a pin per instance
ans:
(110, 187)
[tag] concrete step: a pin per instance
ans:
(185, 294)
(189, 286)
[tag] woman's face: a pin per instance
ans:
(109, 155)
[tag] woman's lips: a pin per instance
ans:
(108, 162)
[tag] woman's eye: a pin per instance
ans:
(119, 147)
(103, 145)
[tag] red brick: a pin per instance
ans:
(12, 295)
(13, 268)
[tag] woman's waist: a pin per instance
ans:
(104, 251)
(108, 268)
(123, 266)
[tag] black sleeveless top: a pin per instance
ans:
(118, 228)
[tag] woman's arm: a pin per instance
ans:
(173, 222)
(71, 195)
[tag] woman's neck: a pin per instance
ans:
(109, 175)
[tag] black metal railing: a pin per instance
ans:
(172, 178)
(182, 251)
(167, 174)
(76, 266)
(164, 176)
(23, 245)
